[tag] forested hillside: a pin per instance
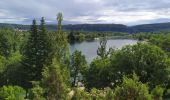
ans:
(157, 27)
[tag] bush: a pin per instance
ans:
(81, 95)
(36, 92)
(131, 89)
(157, 93)
(12, 93)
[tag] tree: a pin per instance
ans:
(30, 55)
(102, 50)
(132, 89)
(36, 53)
(43, 46)
(5, 46)
(79, 65)
(99, 75)
(59, 43)
(53, 82)
(149, 62)
(60, 49)
(71, 37)
(10, 73)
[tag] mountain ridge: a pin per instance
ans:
(154, 27)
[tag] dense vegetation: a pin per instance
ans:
(156, 27)
(37, 65)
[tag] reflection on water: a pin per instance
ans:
(89, 48)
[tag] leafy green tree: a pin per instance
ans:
(149, 62)
(132, 89)
(10, 41)
(12, 93)
(60, 49)
(10, 73)
(79, 65)
(99, 74)
(162, 41)
(59, 43)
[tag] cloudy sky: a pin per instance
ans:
(129, 12)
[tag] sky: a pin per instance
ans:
(128, 12)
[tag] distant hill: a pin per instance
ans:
(157, 27)
(101, 27)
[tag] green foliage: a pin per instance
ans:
(36, 92)
(30, 53)
(10, 70)
(81, 95)
(76, 37)
(12, 93)
(3, 62)
(5, 45)
(60, 49)
(98, 75)
(59, 43)
(36, 53)
(94, 94)
(148, 61)
(132, 89)
(157, 93)
(102, 51)
(53, 82)
(162, 41)
(48, 53)
(79, 65)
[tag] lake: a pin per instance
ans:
(89, 48)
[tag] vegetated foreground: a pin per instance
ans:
(37, 65)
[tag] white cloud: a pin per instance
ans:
(86, 11)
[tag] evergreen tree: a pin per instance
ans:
(5, 46)
(43, 48)
(35, 53)
(30, 57)
(53, 82)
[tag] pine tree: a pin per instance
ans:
(4, 46)
(43, 49)
(35, 53)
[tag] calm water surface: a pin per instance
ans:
(89, 48)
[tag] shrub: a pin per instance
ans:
(12, 93)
